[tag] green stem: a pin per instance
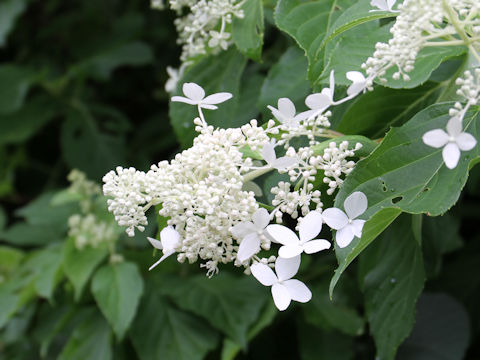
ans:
(256, 173)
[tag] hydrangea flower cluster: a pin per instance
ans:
(420, 24)
(205, 192)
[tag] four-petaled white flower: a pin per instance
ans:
(345, 223)
(310, 226)
(169, 241)
(268, 154)
(452, 141)
(359, 82)
(383, 5)
(250, 232)
(284, 288)
(319, 102)
(286, 113)
(195, 95)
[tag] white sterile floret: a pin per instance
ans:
(284, 288)
(346, 223)
(359, 83)
(286, 113)
(319, 102)
(310, 227)
(251, 235)
(284, 162)
(452, 141)
(195, 95)
(383, 5)
(169, 242)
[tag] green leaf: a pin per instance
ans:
(441, 235)
(21, 125)
(228, 303)
(287, 78)
(308, 22)
(102, 65)
(248, 31)
(41, 212)
(355, 15)
(8, 306)
(393, 286)
(415, 182)
(23, 234)
(10, 258)
(171, 334)
(86, 147)
(442, 330)
(215, 74)
(10, 10)
(79, 265)
(117, 289)
(92, 339)
(15, 81)
(373, 113)
(332, 314)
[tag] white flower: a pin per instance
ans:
(268, 154)
(310, 226)
(345, 224)
(452, 141)
(359, 83)
(383, 5)
(319, 102)
(286, 113)
(251, 233)
(284, 288)
(195, 95)
(169, 242)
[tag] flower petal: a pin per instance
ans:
(390, 4)
(451, 155)
(332, 83)
(165, 255)
(155, 243)
(314, 246)
(344, 236)
(261, 218)
(357, 227)
(242, 229)
(193, 91)
(454, 126)
(268, 153)
(466, 141)
(379, 4)
(207, 106)
(217, 98)
(170, 238)
(264, 274)
(184, 100)
(355, 204)
(282, 234)
(284, 162)
(435, 138)
(281, 296)
(310, 226)
(286, 107)
(318, 101)
(249, 246)
(287, 268)
(298, 290)
(335, 218)
(290, 251)
(358, 82)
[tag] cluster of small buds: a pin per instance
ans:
(204, 28)
(87, 230)
(422, 23)
(129, 200)
(80, 185)
(288, 201)
(157, 4)
(334, 163)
